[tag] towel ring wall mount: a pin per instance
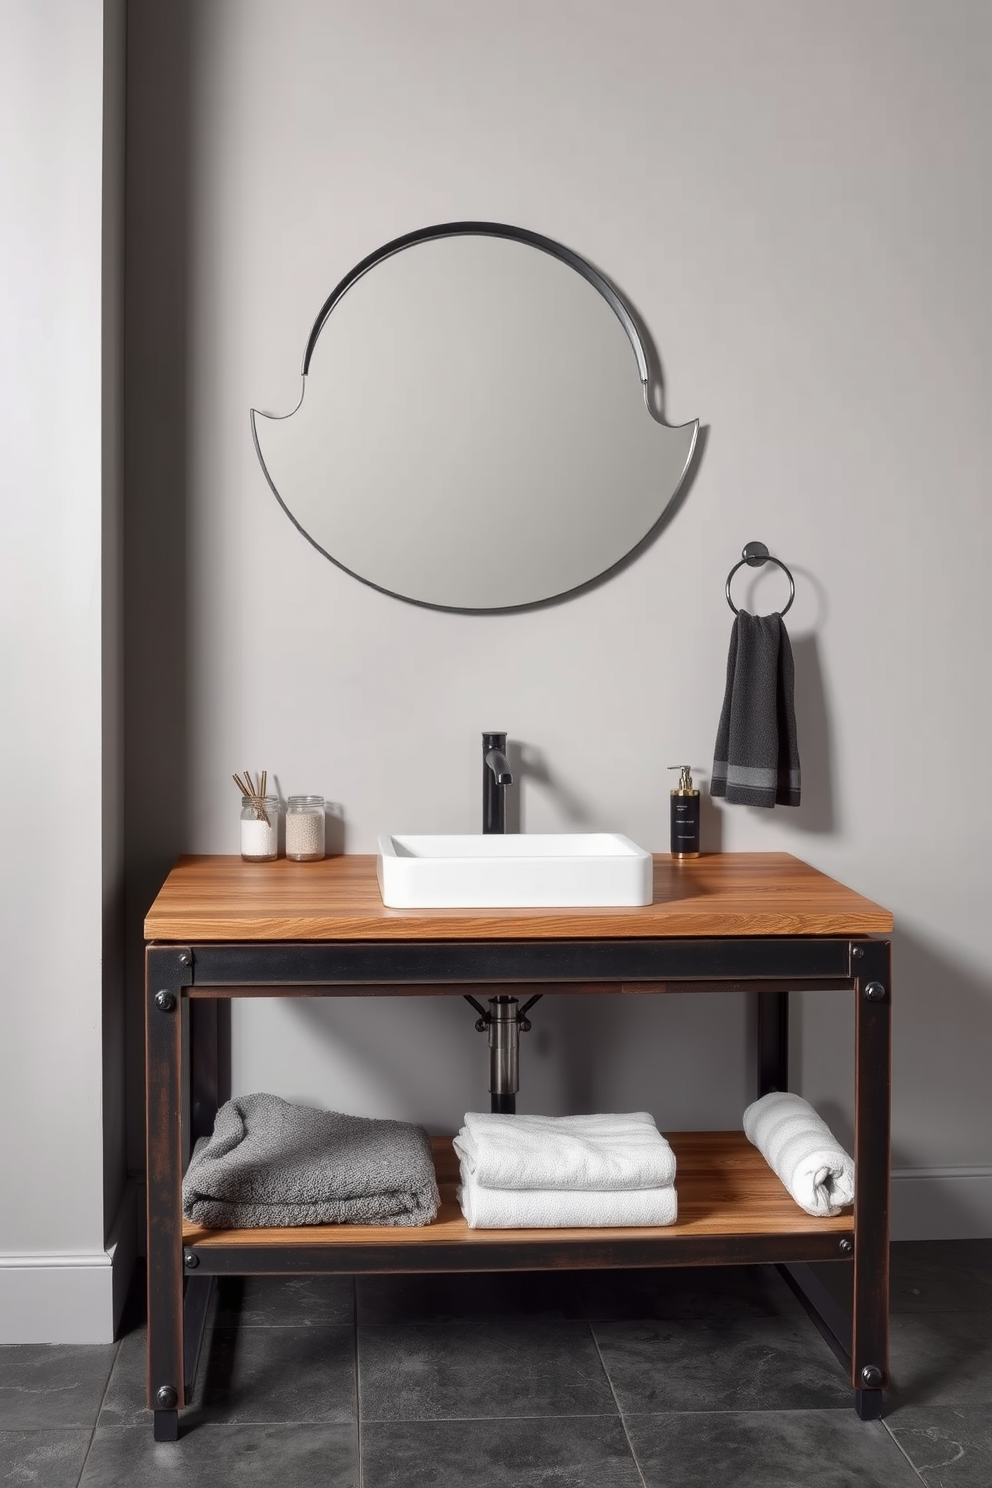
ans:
(755, 554)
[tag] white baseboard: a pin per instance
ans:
(69, 1297)
(942, 1203)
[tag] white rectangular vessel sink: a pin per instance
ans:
(552, 870)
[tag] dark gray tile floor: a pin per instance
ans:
(577, 1380)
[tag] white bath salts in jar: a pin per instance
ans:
(260, 828)
(305, 828)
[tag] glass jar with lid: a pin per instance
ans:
(259, 828)
(305, 828)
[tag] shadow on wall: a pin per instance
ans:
(529, 762)
(944, 1070)
(586, 1053)
(817, 812)
(941, 1090)
(157, 219)
(814, 729)
(400, 1044)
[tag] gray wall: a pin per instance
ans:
(793, 196)
(66, 1221)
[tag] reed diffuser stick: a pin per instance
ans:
(254, 794)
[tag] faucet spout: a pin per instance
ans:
(496, 775)
(496, 760)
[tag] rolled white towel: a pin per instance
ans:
(802, 1151)
(556, 1208)
(607, 1152)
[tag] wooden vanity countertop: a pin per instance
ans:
(222, 898)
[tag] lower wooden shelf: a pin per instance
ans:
(732, 1209)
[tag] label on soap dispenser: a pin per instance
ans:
(685, 824)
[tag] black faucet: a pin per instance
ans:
(495, 775)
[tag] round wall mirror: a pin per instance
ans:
(475, 430)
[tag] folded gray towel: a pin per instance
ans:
(756, 759)
(272, 1163)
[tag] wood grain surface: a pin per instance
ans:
(725, 1188)
(223, 898)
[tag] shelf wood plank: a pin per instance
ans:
(725, 1188)
(223, 898)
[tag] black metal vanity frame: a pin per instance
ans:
(186, 983)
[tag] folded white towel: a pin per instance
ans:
(556, 1208)
(606, 1152)
(801, 1149)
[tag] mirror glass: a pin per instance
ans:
(473, 431)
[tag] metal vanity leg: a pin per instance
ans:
(167, 971)
(204, 1062)
(205, 1095)
(873, 1057)
(773, 1042)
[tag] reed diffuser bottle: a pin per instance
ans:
(260, 828)
(259, 820)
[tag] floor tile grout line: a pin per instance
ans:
(502, 1319)
(798, 1410)
(99, 1411)
(82, 1465)
(220, 1422)
(620, 1414)
(486, 1420)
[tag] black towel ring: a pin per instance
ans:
(755, 554)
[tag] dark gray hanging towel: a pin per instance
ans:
(756, 759)
(272, 1163)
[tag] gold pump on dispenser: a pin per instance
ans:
(685, 815)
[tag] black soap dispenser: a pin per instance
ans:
(685, 815)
